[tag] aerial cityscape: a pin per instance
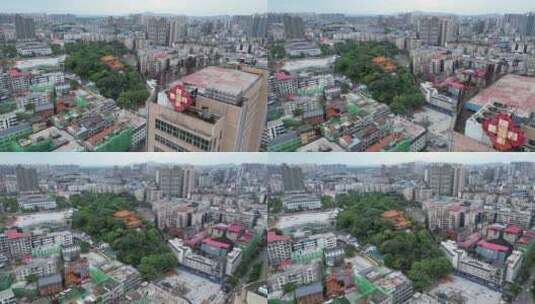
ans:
(272, 76)
(427, 109)
(246, 228)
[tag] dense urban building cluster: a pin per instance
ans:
(209, 95)
(71, 83)
(402, 82)
(212, 220)
(323, 245)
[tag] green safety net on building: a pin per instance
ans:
(403, 146)
(5, 143)
(80, 102)
(352, 108)
(144, 300)
(288, 146)
(97, 276)
(364, 287)
(119, 142)
(46, 252)
(23, 292)
(5, 280)
(40, 88)
(249, 250)
(310, 91)
(307, 257)
(44, 146)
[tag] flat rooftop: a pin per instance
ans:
(230, 81)
(462, 143)
(303, 64)
(471, 292)
(512, 90)
(321, 145)
(29, 64)
(294, 220)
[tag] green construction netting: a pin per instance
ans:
(365, 287)
(44, 146)
(352, 108)
(80, 102)
(5, 281)
(97, 276)
(307, 257)
(119, 142)
(45, 252)
(403, 146)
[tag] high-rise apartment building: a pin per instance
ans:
(459, 180)
(24, 27)
(158, 30)
(170, 180)
(214, 109)
(292, 178)
(434, 30)
(26, 179)
(440, 179)
(188, 181)
(294, 27)
(177, 29)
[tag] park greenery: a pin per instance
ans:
(143, 248)
(275, 205)
(278, 51)
(125, 86)
(8, 51)
(415, 252)
(9, 204)
(397, 89)
(327, 202)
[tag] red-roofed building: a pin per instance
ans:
(214, 243)
(492, 251)
(234, 231)
(528, 236)
(219, 230)
(215, 248)
(17, 244)
(494, 231)
(512, 233)
(278, 248)
(195, 240)
(246, 237)
(470, 241)
(18, 81)
(492, 246)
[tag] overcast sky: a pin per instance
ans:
(395, 6)
(356, 159)
(232, 7)
(122, 7)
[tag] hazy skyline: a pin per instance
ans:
(122, 7)
(352, 159)
(396, 6)
(233, 7)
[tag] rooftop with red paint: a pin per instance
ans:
(231, 81)
(492, 246)
(513, 229)
(274, 237)
(214, 243)
(512, 90)
(14, 234)
(234, 228)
